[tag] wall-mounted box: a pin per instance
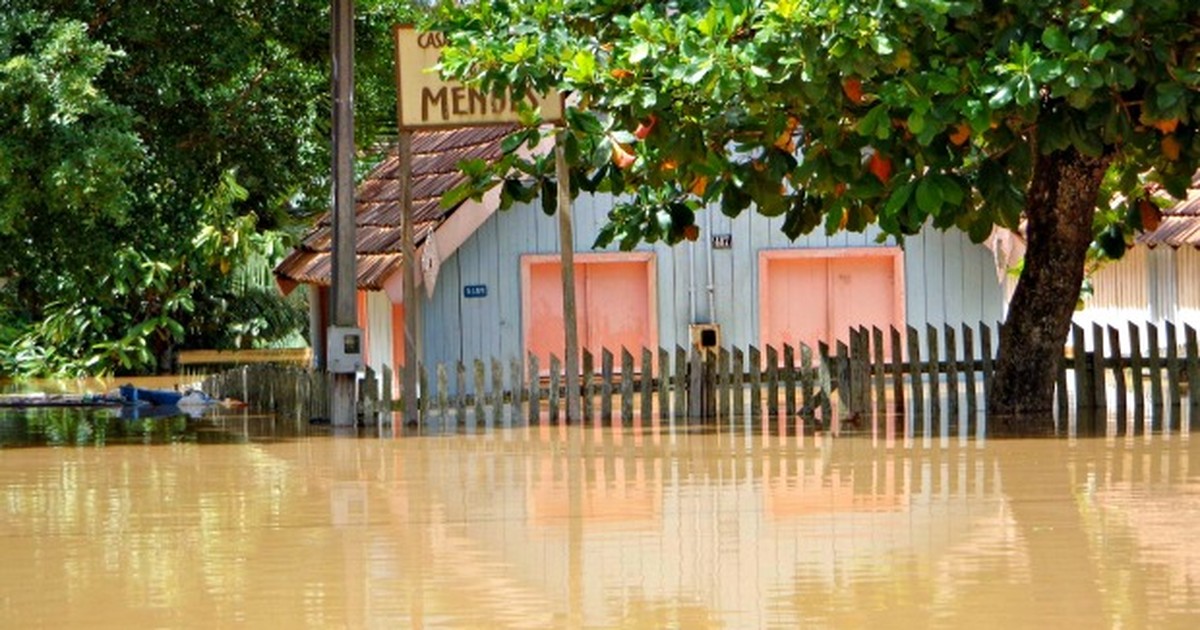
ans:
(345, 349)
(706, 337)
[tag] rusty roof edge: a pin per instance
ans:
(288, 269)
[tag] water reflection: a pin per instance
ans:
(643, 526)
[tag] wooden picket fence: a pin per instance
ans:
(944, 373)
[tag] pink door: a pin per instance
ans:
(862, 292)
(811, 296)
(544, 304)
(618, 308)
(798, 306)
(613, 303)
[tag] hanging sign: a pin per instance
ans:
(426, 100)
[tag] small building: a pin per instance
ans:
(492, 285)
(1156, 281)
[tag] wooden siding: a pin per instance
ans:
(1188, 278)
(1154, 285)
(947, 279)
(377, 309)
(1121, 284)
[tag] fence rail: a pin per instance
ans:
(944, 373)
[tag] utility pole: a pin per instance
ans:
(566, 248)
(343, 306)
(408, 262)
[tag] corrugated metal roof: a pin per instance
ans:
(1180, 224)
(377, 213)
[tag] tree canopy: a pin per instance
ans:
(154, 157)
(894, 112)
(839, 114)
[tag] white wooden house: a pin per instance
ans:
(492, 280)
(1158, 279)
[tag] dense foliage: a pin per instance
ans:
(838, 113)
(153, 160)
(903, 111)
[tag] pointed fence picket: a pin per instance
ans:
(874, 372)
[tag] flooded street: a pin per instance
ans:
(256, 522)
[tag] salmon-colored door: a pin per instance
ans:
(614, 304)
(798, 308)
(812, 296)
(544, 328)
(618, 308)
(862, 292)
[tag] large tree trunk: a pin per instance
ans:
(1059, 210)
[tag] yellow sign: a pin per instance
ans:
(426, 100)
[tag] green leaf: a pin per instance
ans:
(1002, 96)
(549, 197)
(1168, 95)
(916, 122)
(1057, 41)
(929, 196)
(584, 121)
(1112, 242)
(876, 123)
(639, 52)
(512, 142)
(949, 189)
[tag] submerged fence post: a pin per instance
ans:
(1136, 368)
(1099, 395)
(1083, 394)
(789, 379)
(772, 381)
(842, 376)
(664, 383)
(825, 377)
(518, 388)
(723, 383)
(738, 374)
(1173, 366)
(755, 359)
(647, 384)
(422, 392)
(915, 373)
(880, 369)
(497, 389)
(1193, 370)
(934, 371)
(862, 370)
(606, 385)
(680, 384)
(897, 372)
(626, 386)
(556, 370)
(1118, 370)
(443, 395)
(535, 390)
(460, 390)
(480, 415)
(968, 345)
(695, 387)
(368, 395)
(985, 348)
(1156, 394)
(807, 378)
(951, 373)
(589, 385)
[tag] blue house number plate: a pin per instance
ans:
(475, 290)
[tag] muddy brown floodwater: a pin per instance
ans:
(254, 522)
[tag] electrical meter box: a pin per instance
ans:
(706, 337)
(345, 349)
